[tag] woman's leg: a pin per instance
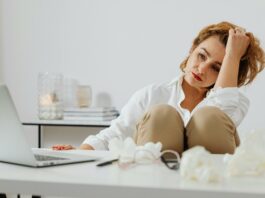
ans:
(161, 123)
(212, 128)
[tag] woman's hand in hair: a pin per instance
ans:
(237, 43)
(236, 47)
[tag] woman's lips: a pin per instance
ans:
(196, 77)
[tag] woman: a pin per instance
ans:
(203, 106)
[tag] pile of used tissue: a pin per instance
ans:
(128, 152)
(197, 164)
(249, 159)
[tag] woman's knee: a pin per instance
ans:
(161, 116)
(211, 117)
(213, 129)
(163, 109)
(161, 123)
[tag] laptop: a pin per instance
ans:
(14, 147)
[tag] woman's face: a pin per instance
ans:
(204, 63)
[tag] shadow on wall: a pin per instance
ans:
(103, 99)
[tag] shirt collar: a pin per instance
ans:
(178, 80)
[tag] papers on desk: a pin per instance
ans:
(91, 114)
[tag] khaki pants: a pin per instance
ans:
(208, 127)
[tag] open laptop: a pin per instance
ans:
(14, 147)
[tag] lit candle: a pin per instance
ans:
(50, 107)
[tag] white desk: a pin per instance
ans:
(87, 180)
(72, 123)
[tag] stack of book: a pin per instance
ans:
(91, 114)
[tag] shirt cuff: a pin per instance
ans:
(220, 91)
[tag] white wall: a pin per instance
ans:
(115, 46)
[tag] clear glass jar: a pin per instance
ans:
(50, 96)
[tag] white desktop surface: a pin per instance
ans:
(88, 180)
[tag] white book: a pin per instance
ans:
(91, 114)
(106, 118)
(90, 109)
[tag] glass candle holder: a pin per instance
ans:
(84, 96)
(50, 96)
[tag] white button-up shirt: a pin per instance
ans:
(229, 100)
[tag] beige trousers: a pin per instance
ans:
(208, 127)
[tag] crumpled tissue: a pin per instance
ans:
(197, 164)
(249, 157)
(127, 151)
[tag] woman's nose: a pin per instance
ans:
(202, 68)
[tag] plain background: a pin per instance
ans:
(116, 46)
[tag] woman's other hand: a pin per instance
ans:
(237, 43)
(59, 147)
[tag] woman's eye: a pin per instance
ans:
(202, 56)
(216, 68)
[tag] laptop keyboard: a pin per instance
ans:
(47, 158)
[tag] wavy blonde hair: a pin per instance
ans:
(251, 63)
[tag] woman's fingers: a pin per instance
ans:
(69, 147)
(239, 30)
(232, 31)
(63, 147)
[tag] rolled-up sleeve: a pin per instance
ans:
(231, 101)
(124, 125)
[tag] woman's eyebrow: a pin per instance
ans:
(209, 55)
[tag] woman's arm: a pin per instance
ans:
(124, 125)
(236, 47)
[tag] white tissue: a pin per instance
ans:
(249, 157)
(128, 151)
(197, 164)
